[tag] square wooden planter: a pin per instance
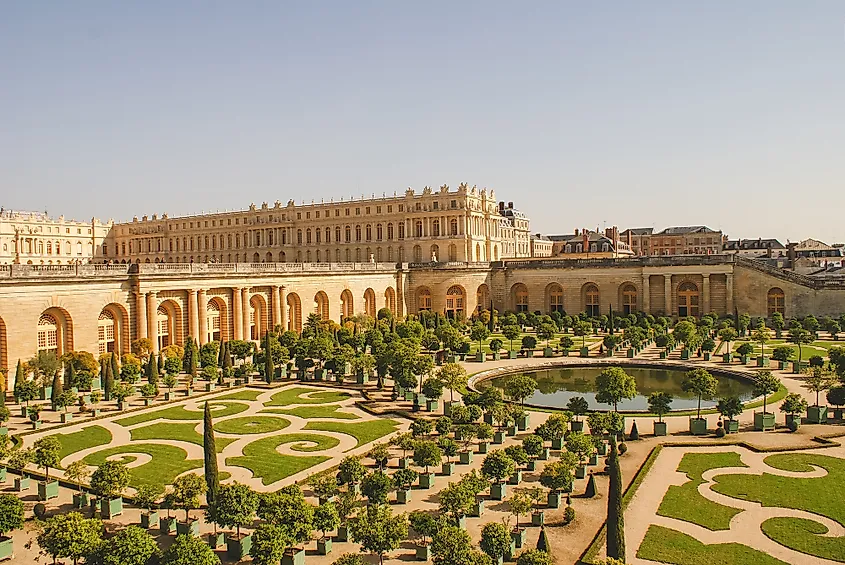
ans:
(697, 426)
(426, 480)
(660, 428)
(498, 491)
(48, 491)
(764, 421)
(238, 546)
(817, 414)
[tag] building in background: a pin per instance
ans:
(586, 244)
(441, 225)
(541, 246)
(33, 238)
(755, 248)
(682, 240)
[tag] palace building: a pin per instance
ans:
(33, 238)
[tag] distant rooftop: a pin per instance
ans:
(686, 229)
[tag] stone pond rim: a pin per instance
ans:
(747, 376)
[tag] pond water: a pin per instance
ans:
(556, 386)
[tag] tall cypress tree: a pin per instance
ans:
(152, 371)
(193, 362)
(610, 321)
(57, 389)
(115, 368)
(210, 454)
(269, 368)
(19, 379)
(108, 384)
(227, 357)
(615, 517)
(70, 375)
(221, 354)
(186, 357)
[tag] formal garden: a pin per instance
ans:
(372, 441)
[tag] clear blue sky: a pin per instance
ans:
(730, 114)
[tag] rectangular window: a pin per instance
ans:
(347, 211)
(357, 211)
(390, 208)
(307, 215)
(367, 210)
(436, 205)
(378, 209)
(299, 215)
(317, 214)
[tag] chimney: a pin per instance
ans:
(501, 206)
(586, 240)
(510, 205)
(790, 255)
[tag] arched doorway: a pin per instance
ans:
(688, 299)
(347, 306)
(294, 314)
(321, 305)
(519, 296)
(554, 298)
(390, 299)
(775, 301)
(628, 299)
(370, 303)
(592, 300)
(55, 332)
(258, 321)
(423, 299)
(215, 317)
(482, 298)
(165, 328)
(455, 302)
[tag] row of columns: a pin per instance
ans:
(146, 308)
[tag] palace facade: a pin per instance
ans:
(463, 225)
(33, 238)
(104, 307)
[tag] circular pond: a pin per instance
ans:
(557, 385)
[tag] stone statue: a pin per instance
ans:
(372, 258)
(433, 257)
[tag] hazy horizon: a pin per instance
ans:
(637, 115)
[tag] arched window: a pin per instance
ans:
(579, 248)
(328, 235)
(435, 228)
(390, 231)
(337, 236)
(687, 299)
(453, 226)
(379, 232)
(591, 301)
(418, 228)
(423, 299)
(299, 237)
(390, 299)
(629, 299)
(417, 254)
(358, 233)
(48, 334)
(455, 300)
(401, 230)
(212, 316)
(163, 324)
(370, 303)
(369, 232)
(308, 236)
(555, 292)
(105, 332)
(346, 304)
(321, 305)
(520, 297)
(482, 298)
(348, 234)
(775, 300)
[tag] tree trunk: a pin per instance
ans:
(615, 517)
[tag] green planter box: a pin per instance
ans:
(109, 508)
(585, 352)
(294, 556)
(7, 549)
(727, 357)
(36, 425)
(423, 553)
(663, 355)
(488, 418)
(731, 426)
(684, 354)
(511, 430)
(548, 352)
(798, 367)
(516, 478)
(150, 520)
(602, 449)
(342, 533)
(764, 421)
(477, 509)
(782, 365)
(324, 546)
(558, 442)
(762, 361)
(22, 483)
(432, 404)
(238, 546)
(318, 374)
(631, 353)
(538, 518)
(793, 418)
(518, 537)
(48, 491)
(510, 552)
(426, 480)
(575, 426)
(698, 426)
(46, 392)
(498, 491)
(447, 406)
(817, 414)
(498, 437)
(403, 496)
(404, 462)
(363, 379)
(531, 465)
(23, 412)
(744, 359)
(209, 387)
(95, 413)
(594, 459)
(81, 500)
(580, 472)
(837, 413)
(483, 447)
(216, 540)
(707, 355)
(553, 499)
(544, 454)
(409, 395)
(447, 469)
(660, 428)
(465, 457)
(522, 422)
(529, 353)
(481, 357)
(167, 526)
(497, 356)
(189, 528)
(66, 417)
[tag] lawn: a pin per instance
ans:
(808, 350)
(246, 394)
(330, 411)
(251, 425)
(267, 464)
(517, 343)
(218, 409)
(176, 431)
(294, 396)
(363, 432)
(685, 503)
(92, 436)
(817, 495)
(805, 536)
(167, 462)
(669, 546)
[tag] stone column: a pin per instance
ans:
(668, 292)
(729, 294)
(283, 308)
(400, 295)
(152, 322)
(645, 303)
(141, 316)
(705, 295)
(245, 312)
(193, 315)
(202, 313)
(237, 315)
(274, 305)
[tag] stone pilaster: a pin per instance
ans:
(141, 313)
(275, 305)
(193, 315)
(152, 319)
(237, 315)
(202, 311)
(245, 313)
(667, 281)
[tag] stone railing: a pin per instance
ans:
(816, 283)
(651, 261)
(448, 265)
(255, 268)
(62, 271)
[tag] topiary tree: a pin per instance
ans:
(614, 385)
(615, 515)
(427, 453)
(378, 531)
(456, 500)
(129, 546)
(520, 504)
(578, 406)
(376, 486)
(766, 384)
(452, 546)
(800, 337)
(423, 524)
(558, 475)
(189, 550)
(730, 407)
(702, 384)
(326, 518)
(660, 403)
(519, 387)
(349, 559)
(235, 505)
(11, 513)
(793, 404)
(185, 494)
(46, 453)
(454, 377)
(497, 465)
(534, 557)
(836, 395)
(495, 540)
(511, 333)
(110, 479)
(479, 333)
(580, 445)
(582, 329)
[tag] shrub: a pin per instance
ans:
(568, 515)
(720, 431)
(623, 448)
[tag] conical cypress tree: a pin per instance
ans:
(70, 375)
(615, 517)
(543, 541)
(108, 384)
(221, 353)
(491, 323)
(19, 379)
(635, 434)
(227, 358)
(186, 357)
(115, 368)
(57, 389)
(152, 372)
(210, 454)
(590, 492)
(160, 363)
(610, 321)
(269, 369)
